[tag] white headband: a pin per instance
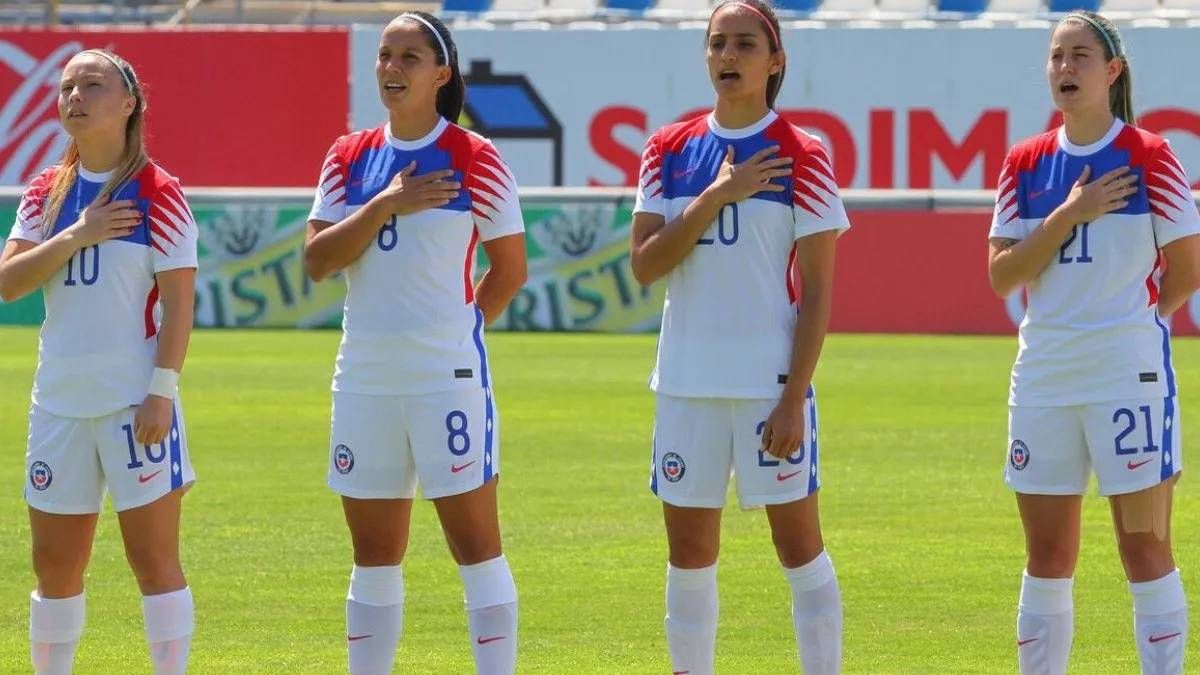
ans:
(441, 42)
(120, 69)
(1112, 48)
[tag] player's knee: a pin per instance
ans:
(796, 551)
(156, 570)
(693, 552)
(1052, 558)
(1145, 557)
(371, 550)
(475, 551)
(59, 569)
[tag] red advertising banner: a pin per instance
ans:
(926, 272)
(239, 107)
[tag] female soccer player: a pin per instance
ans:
(401, 208)
(736, 353)
(1096, 223)
(108, 237)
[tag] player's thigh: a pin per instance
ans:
(1134, 444)
(138, 474)
(471, 523)
(1051, 524)
(63, 474)
(692, 451)
(763, 479)
(369, 452)
(378, 529)
(455, 440)
(62, 544)
(1047, 451)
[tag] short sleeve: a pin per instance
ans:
(1173, 211)
(493, 192)
(649, 197)
(817, 206)
(329, 204)
(30, 223)
(1006, 216)
(173, 231)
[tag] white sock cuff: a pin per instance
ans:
(692, 579)
(377, 586)
(812, 574)
(1046, 596)
(488, 584)
(169, 616)
(1161, 596)
(53, 620)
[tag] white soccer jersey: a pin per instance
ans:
(1091, 332)
(411, 325)
(730, 309)
(99, 340)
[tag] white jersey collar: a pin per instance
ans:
(92, 176)
(401, 144)
(1084, 150)
(744, 132)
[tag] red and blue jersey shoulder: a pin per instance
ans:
(669, 147)
(489, 187)
(349, 153)
(813, 186)
(1162, 180)
(169, 221)
(1020, 165)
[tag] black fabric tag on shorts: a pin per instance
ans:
(782, 379)
(1147, 377)
(463, 373)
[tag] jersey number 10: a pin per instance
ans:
(88, 274)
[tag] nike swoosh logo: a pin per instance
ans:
(784, 476)
(1160, 638)
(1022, 643)
(142, 478)
(1039, 193)
(454, 468)
(684, 174)
(680, 672)
(1131, 466)
(353, 638)
(484, 641)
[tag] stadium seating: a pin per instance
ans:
(579, 14)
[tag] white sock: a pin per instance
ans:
(374, 618)
(1160, 624)
(1045, 625)
(55, 625)
(491, 598)
(817, 615)
(170, 620)
(692, 608)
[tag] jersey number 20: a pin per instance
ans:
(727, 228)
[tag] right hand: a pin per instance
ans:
(105, 220)
(409, 194)
(736, 182)
(1108, 193)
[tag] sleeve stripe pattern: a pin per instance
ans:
(1167, 187)
(1006, 195)
(333, 179)
(169, 217)
(490, 184)
(33, 202)
(812, 176)
(650, 180)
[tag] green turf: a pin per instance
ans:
(920, 526)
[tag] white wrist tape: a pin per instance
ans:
(164, 382)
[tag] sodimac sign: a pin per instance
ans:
(899, 108)
(226, 107)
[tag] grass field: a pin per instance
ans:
(922, 531)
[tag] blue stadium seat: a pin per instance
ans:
(470, 6)
(797, 6)
(962, 6)
(1063, 6)
(629, 5)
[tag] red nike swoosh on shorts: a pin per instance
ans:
(454, 468)
(1160, 638)
(353, 638)
(784, 476)
(1131, 466)
(142, 478)
(1022, 643)
(680, 672)
(484, 641)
